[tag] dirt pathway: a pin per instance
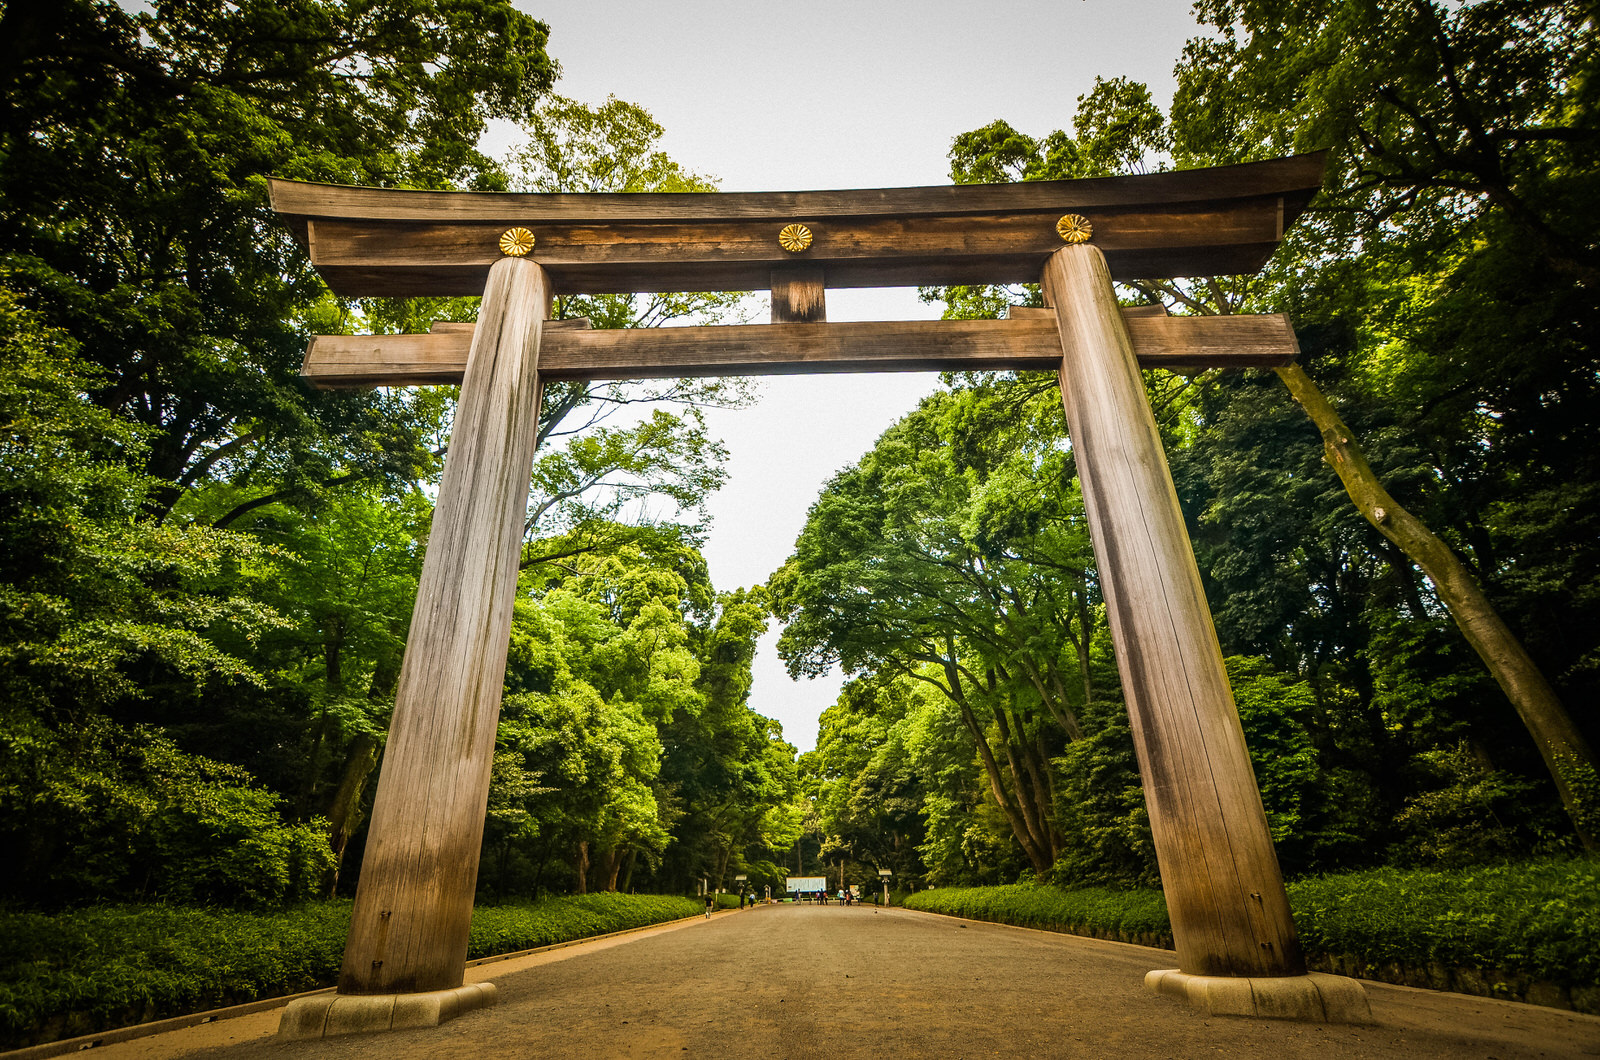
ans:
(808, 983)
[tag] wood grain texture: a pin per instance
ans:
(451, 256)
(1129, 313)
(379, 242)
(799, 295)
(1026, 343)
(1283, 176)
(413, 908)
(1224, 891)
(467, 326)
(406, 281)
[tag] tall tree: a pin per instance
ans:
(1457, 233)
(872, 793)
(956, 554)
(133, 205)
(614, 448)
(101, 613)
(1452, 131)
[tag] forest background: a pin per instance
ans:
(207, 569)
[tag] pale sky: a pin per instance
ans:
(831, 94)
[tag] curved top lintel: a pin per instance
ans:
(1298, 176)
(1196, 222)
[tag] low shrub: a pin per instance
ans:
(1527, 930)
(1101, 912)
(508, 928)
(98, 809)
(1539, 919)
(91, 969)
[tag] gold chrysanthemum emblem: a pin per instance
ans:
(1074, 228)
(794, 238)
(516, 242)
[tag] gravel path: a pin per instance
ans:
(796, 983)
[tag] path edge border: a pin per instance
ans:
(63, 1046)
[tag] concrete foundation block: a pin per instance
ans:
(359, 1015)
(432, 1009)
(326, 1015)
(305, 1017)
(1316, 998)
(1344, 999)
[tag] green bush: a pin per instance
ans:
(1102, 912)
(1540, 919)
(97, 809)
(508, 928)
(1466, 812)
(1100, 804)
(88, 970)
(1521, 923)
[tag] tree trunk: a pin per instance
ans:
(605, 868)
(1025, 780)
(627, 873)
(538, 874)
(344, 813)
(722, 865)
(1566, 753)
(580, 868)
(1082, 649)
(1038, 857)
(317, 756)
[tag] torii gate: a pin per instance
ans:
(404, 960)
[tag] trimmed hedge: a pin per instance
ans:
(508, 928)
(1099, 912)
(1528, 931)
(89, 970)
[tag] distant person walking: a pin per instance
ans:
(711, 900)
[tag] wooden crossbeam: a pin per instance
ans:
(1027, 342)
(386, 242)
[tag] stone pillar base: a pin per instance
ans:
(1315, 997)
(325, 1015)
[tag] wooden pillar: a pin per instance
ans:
(413, 906)
(1230, 916)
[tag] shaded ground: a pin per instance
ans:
(829, 982)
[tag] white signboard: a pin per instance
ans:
(807, 883)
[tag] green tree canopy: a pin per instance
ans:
(957, 553)
(134, 148)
